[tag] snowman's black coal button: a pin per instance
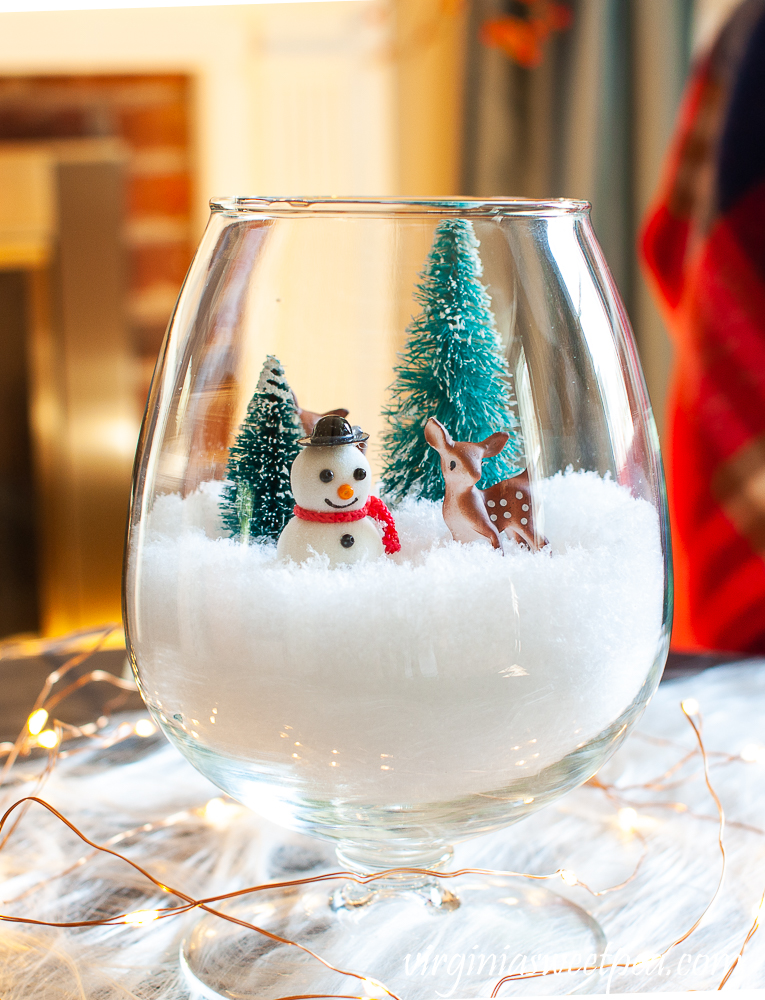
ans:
(346, 541)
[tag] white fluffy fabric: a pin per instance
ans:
(108, 792)
(498, 666)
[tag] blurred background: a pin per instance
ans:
(117, 125)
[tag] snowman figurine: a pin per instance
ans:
(335, 513)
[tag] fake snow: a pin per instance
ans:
(443, 671)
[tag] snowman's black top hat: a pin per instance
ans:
(332, 430)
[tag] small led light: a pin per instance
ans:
(627, 819)
(36, 721)
(219, 812)
(568, 877)
(333, 763)
(374, 989)
(528, 799)
(124, 729)
(145, 727)
(644, 957)
(690, 706)
(48, 739)
(753, 754)
(296, 756)
(384, 767)
(141, 917)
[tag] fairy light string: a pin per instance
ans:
(41, 722)
(752, 931)
(690, 708)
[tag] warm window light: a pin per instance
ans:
(36, 721)
(25, 6)
(48, 739)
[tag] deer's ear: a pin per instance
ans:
(437, 435)
(494, 444)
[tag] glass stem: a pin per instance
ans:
(366, 860)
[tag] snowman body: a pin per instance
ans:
(331, 479)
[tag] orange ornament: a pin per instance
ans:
(523, 38)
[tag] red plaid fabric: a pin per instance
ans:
(704, 247)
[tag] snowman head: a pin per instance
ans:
(332, 473)
(332, 478)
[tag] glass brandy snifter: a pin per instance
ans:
(397, 705)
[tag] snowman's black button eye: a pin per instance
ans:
(347, 541)
(326, 475)
(452, 465)
(359, 474)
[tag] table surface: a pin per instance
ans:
(111, 790)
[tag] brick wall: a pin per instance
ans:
(152, 115)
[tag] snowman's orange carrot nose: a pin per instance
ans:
(345, 492)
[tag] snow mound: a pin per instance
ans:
(459, 669)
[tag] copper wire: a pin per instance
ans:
(538, 973)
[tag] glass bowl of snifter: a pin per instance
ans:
(398, 563)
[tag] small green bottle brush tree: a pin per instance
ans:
(258, 502)
(452, 368)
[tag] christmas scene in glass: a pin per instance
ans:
(457, 558)
(453, 436)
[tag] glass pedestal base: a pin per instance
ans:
(453, 938)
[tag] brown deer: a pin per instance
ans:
(309, 419)
(470, 513)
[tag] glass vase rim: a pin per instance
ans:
(495, 207)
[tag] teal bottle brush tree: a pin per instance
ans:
(258, 501)
(452, 368)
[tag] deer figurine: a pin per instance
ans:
(309, 419)
(470, 513)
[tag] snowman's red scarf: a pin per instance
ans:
(374, 507)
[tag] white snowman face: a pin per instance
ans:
(332, 478)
